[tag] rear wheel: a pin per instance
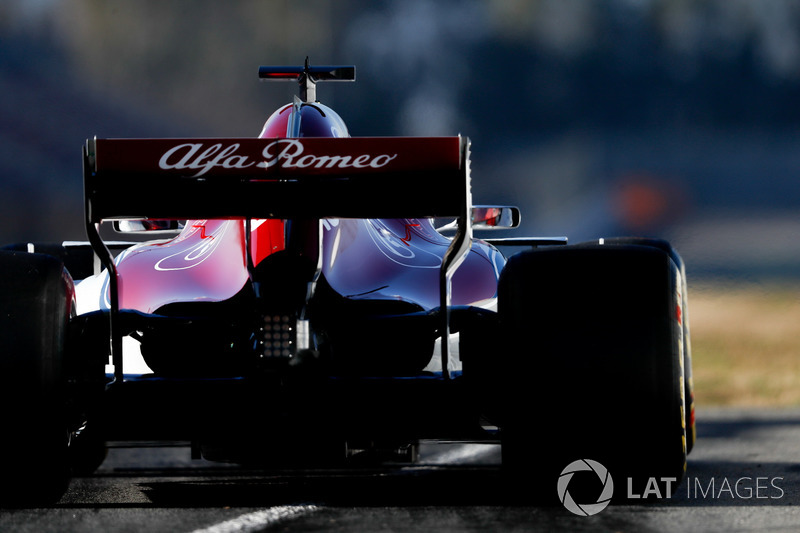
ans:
(688, 384)
(594, 370)
(78, 260)
(36, 296)
(87, 451)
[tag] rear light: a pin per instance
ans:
(278, 336)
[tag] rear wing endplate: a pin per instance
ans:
(369, 177)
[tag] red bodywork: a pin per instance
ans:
(363, 259)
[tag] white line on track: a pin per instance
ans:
(258, 520)
(461, 454)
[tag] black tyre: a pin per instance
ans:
(78, 260)
(591, 328)
(688, 383)
(36, 298)
(87, 451)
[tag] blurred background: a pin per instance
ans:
(670, 118)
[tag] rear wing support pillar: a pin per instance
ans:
(107, 260)
(455, 254)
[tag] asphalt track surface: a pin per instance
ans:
(744, 475)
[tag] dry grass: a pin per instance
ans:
(746, 344)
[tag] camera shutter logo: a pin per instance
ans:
(585, 509)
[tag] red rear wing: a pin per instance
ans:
(369, 177)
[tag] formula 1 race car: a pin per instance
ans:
(307, 298)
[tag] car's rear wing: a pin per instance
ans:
(370, 177)
(281, 178)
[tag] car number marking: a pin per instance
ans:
(408, 233)
(203, 231)
(194, 255)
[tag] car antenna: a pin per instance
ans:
(308, 76)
